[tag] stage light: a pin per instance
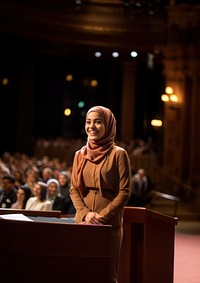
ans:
(115, 54)
(169, 95)
(81, 104)
(134, 54)
(93, 83)
(97, 54)
(156, 123)
(69, 78)
(5, 81)
(67, 112)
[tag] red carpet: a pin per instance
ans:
(187, 253)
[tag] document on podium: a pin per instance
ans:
(15, 216)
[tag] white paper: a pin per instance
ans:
(16, 216)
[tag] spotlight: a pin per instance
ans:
(78, 2)
(134, 54)
(97, 54)
(115, 54)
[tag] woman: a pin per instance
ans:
(39, 201)
(64, 186)
(64, 183)
(100, 181)
(19, 177)
(58, 202)
(31, 179)
(23, 194)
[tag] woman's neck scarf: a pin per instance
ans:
(96, 150)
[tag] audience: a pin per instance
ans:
(31, 178)
(8, 192)
(47, 173)
(23, 194)
(39, 201)
(19, 177)
(64, 186)
(28, 171)
(58, 202)
(64, 183)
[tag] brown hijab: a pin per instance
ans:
(96, 150)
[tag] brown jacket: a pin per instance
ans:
(111, 178)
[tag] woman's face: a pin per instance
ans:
(37, 190)
(20, 195)
(62, 179)
(94, 126)
(52, 188)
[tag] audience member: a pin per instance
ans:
(140, 148)
(39, 201)
(58, 202)
(31, 180)
(64, 183)
(19, 177)
(4, 170)
(141, 186)
(64, 186)
(8, 193)
(23, 194)
(47, 173)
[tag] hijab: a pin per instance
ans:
(96, 150)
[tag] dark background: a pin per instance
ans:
(52, 93)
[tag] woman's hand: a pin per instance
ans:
(93, 218)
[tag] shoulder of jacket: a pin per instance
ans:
(79, 151)
(117, 150)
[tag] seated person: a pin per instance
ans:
(58, 202)
(64, 186)
(23, 194)
(64, 183)
(8, 193)
(39, 201)
(140, 188)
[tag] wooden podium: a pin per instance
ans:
(147, 254)
(52, 249)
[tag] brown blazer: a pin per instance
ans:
(111, 178)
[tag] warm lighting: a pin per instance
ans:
(165, 97)
(67, 112)
(169, 95)
(156, 123)
(174, 97)
(69, 78)
(169, 90)
(93, 83)
(5, 81)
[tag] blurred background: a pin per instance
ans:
(139, 58)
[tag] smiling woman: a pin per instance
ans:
(94, 126)
(39, 201)
(100, 181)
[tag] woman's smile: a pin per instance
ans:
(94, 126)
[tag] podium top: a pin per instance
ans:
(42, 213)
(142, 215)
